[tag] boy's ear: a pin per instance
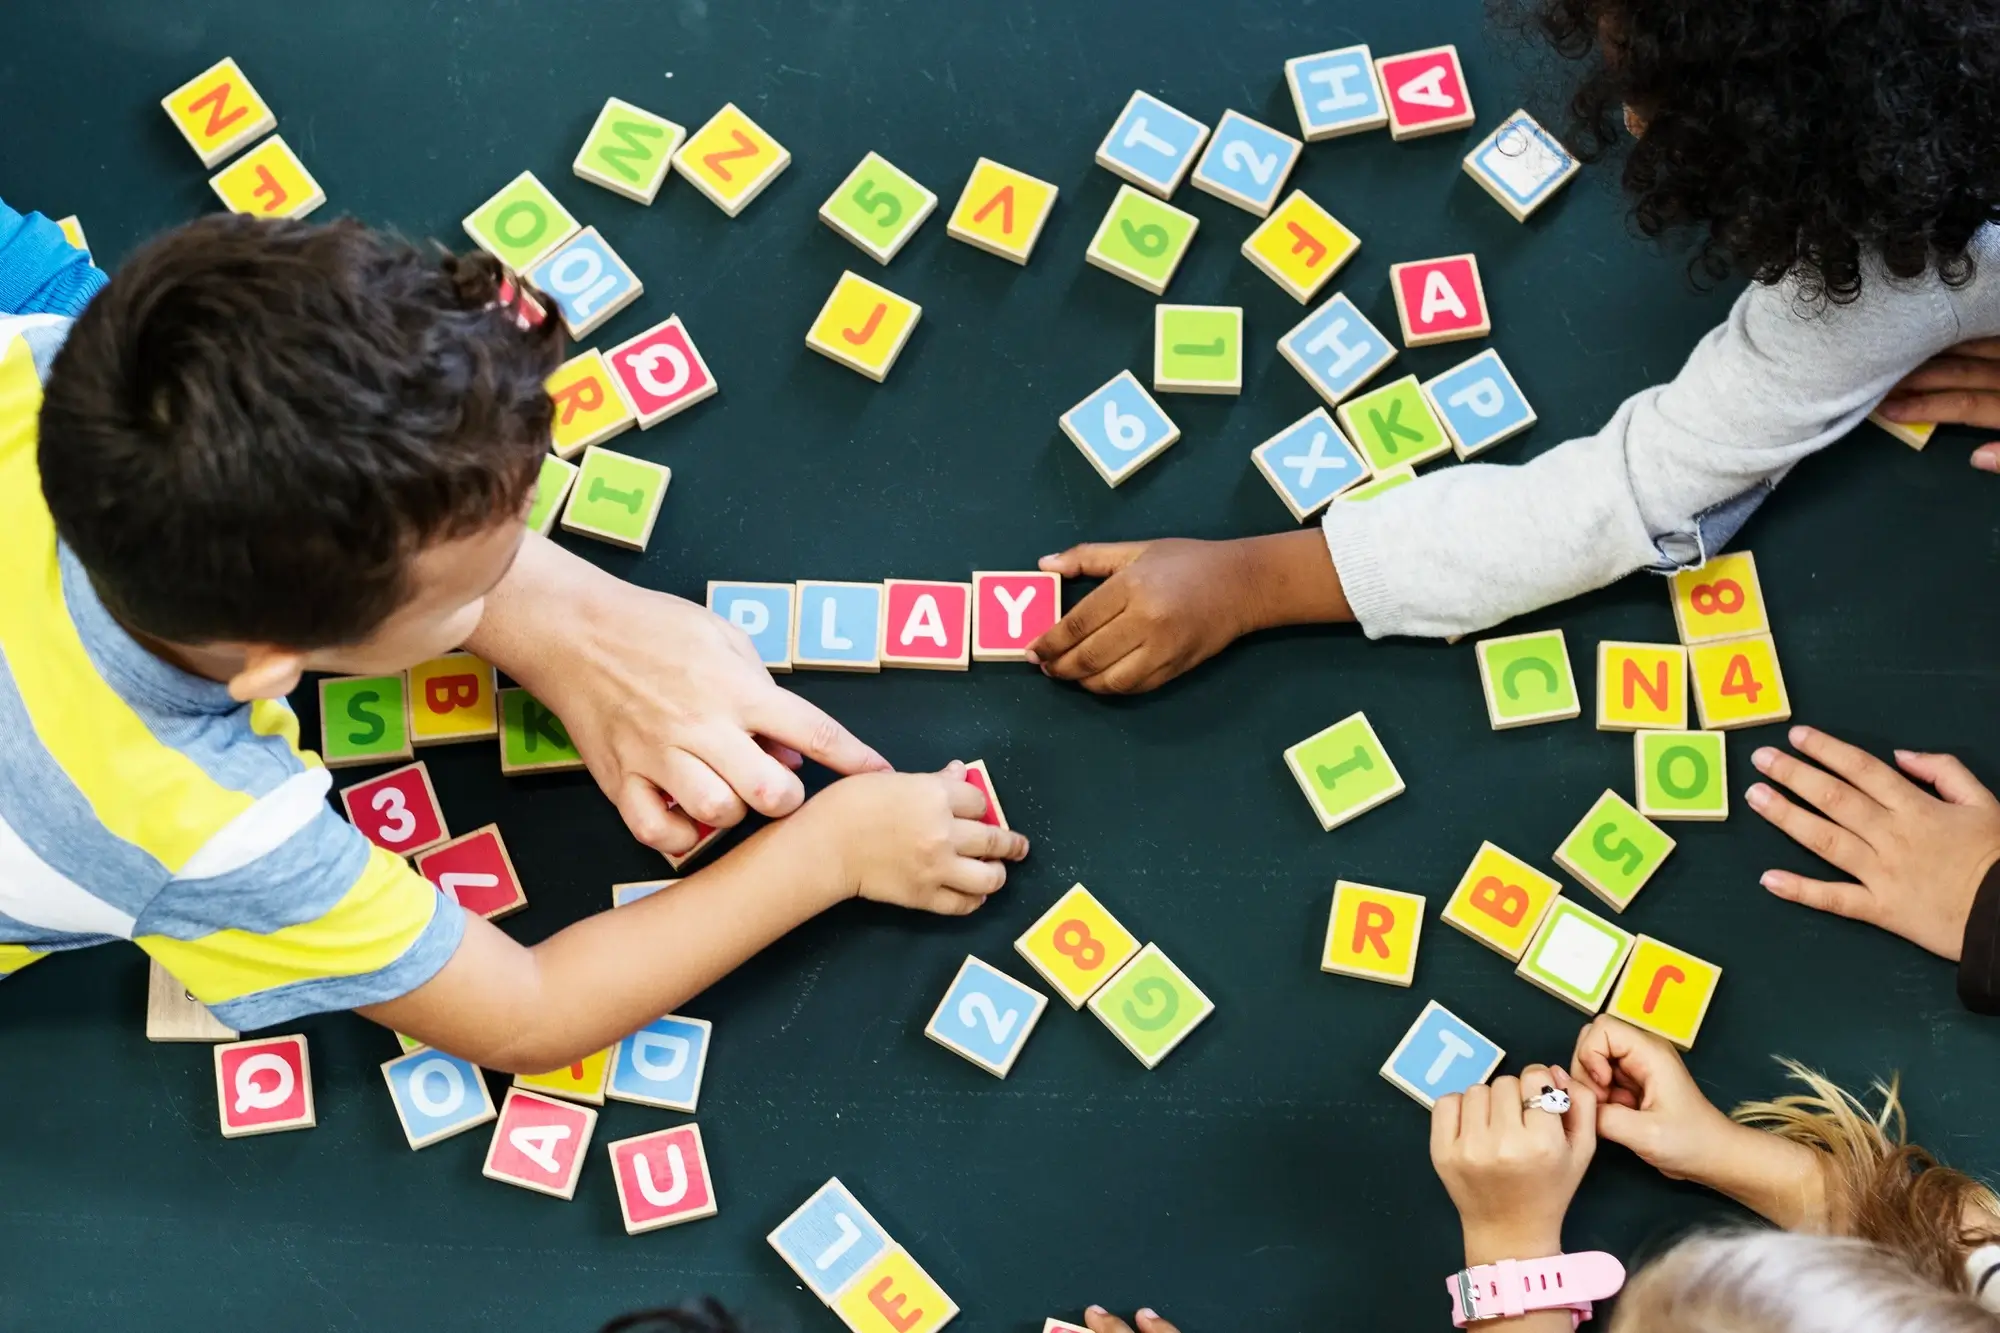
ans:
(266, 673)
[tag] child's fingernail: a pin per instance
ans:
(1987, 459)
(1769, 879)
(1762, 758)
(1799, 735)
(1148, 1315)
(1095, 1309)
(1560, 1075)
(1759, 796)
(1032, 658)
(1906, 755)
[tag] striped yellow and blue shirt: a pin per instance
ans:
(139, 802)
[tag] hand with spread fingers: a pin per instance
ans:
(1960, 386)
(1916, 859)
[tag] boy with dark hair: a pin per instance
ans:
(270, 448)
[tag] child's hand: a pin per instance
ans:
(1919, 860)
(1512, 1171)
(1099, 1320)
(1961, 386)
(1646, 1099)
(1165, 607)
(914, 839)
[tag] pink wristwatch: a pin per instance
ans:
(1515, 1287)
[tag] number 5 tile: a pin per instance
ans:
(878, 207)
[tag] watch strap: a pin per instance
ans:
(1515, 1287)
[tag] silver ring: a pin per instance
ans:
(1553, 1100)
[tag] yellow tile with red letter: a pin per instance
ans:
(1002, 211)
(1720, 600)
(217, 111)
(582, 1081)
(895, 1296)
(451, 698)
(1300, 246)
(1077, 946)
(590, 407)
(1641, 686)
(269, 181)
(1665, 991)
(1372, 933)
(863, 326)
(1501, 901)
(731, 159)
(1738, 683)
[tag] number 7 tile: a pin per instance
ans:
(829, 1241)
(1002, 211)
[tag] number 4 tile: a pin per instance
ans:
(1738, 683)
(878, 207)
(986, 1016)
(1151, 1006)
(1575, 956)
(1142, 240)
(1247, 163)
(1077, 945)
(1152, 145)
(1309, 463)
(1119, 428)
(1344, 771)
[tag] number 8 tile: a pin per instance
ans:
(1077, 946)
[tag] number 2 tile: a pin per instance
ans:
(1142, 240)
(398, 811)
(1119, 428)
(879, 207)
(731, 159)
(1152, 145)
(986, 1017)
(1151, 1006)
(1247, 163)
(1344, 771)
(1077, 945)
(863, 326)
(1738, 683)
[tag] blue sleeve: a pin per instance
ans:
(41, 273)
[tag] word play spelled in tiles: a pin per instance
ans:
(731, 159)
(863, 326)
(616, 498)
(1665, 991)
(1119, 428)
(1641, 686)
(839, 626)
(1439, 1055)
(1614, 850)
(362, 720)
(1737, 683)
(521, 224)
(1394, 426)
(532, 738)
(1521, 165)
(1681, 774)
(1300, 246)
(539, 1142)
(830, 1241)
(551, 491)
(761, 610)
(172, 1014)
(1336, 93)
(264, 1086)
(1198, 348)
(1142, 239)
(628, 150)
(662, 1064)
(1425, 91)
(926, 624)
(590, 408)
(1479, 404)
(1440, 300)
(1383, 483)
(1575, 956)
(269, 181)
(587, 280)
(474, 871)
(1526, 679)
(1344, 771)
(579, 1081)
(1010, 611)
(895, 1295)
(1720, 600)
(1373, 933)
(1500, 901)
(398, 811)
(1336, 349)
(1002, 211)
(1151, 1006)
(1308, 463)
(437, 1095)
(218, 112)
(878, 207)
(1152, 145)
(986, 1016)
(1247, 163)
(452, 699)
(661, 372)
(1077, 946)
(662, 1179)
(978, 775)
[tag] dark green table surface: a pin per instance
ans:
(1264, 1177)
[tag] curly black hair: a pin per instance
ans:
(1795, 136)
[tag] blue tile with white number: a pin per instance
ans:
(585, 279)
(830, 1241)
(1337, 89)
(1311, 461)
(1247, 160)
(1120, 426)
(1337, 349)
(762, 612)
(1153, 142)
(1479, 403)
(436, 1093)
(1444, 1054)
(986, 1016)
(839, 623)
(661, 1064)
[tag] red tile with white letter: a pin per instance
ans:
(927, 624)
(264, 1086)
(661, 371)
(662, 1179)
(476, 872)
(1011, 611)
(1440, 300)
(398, 810)
(1425, 92)
(976, 774)
(539, 1143)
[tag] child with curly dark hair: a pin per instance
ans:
(1844, 156)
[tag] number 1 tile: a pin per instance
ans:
(1344, 771)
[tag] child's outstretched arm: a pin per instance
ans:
(914, 840)
(1958, 387)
